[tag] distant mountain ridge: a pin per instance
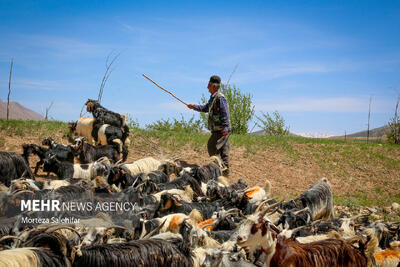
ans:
(18, 111)
(377, 132)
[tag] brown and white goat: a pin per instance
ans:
(259, 233)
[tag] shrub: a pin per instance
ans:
(272, 126)
(191, 125)
(241, 109)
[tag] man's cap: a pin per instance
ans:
(215, 79)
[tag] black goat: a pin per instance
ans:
(69, 170)
(180, 183)
(39, 151)
(295, 218)
(13, 166)
(156, 177)
(170, 204)
(206, 172)
(151, 252)
(215, 191)
(88, 153)
(62, 152)
(105, 116)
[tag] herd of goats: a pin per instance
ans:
(103, 211)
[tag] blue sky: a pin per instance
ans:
(316, 62)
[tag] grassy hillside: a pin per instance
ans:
(360, 174)
(377, 132)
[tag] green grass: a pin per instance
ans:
(31, 127)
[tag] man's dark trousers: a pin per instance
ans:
(219, 145)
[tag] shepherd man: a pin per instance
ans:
(218, 122)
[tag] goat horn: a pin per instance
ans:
(315, 222)
(135, 181)
(155, 230)
(273, 227)
(23, 174)
(269, 208)
(141, 183)
(298, 228)
(242, 215)
(231, 211)
(300, 211)
(272, 212)
(262, 203)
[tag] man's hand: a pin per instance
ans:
(191, 106)
(224, 133)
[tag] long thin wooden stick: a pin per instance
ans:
(164, 89)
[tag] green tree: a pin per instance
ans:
(393, 135)
(272, 126)
(240, 105)
(191, 125)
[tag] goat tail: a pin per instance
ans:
(125, 152)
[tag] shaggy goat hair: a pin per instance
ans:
(33, 257)
(88, 153)
(294, 218)
(170, 204)
(105, 116)
(127, 180)
(69, 170)
(62, 152)
(329, 252)
(39, 151)
(13, 166)
(151, 252)
(206, 172)
(318, 198)
(280, 251)
(215, 191)
(181, 182)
